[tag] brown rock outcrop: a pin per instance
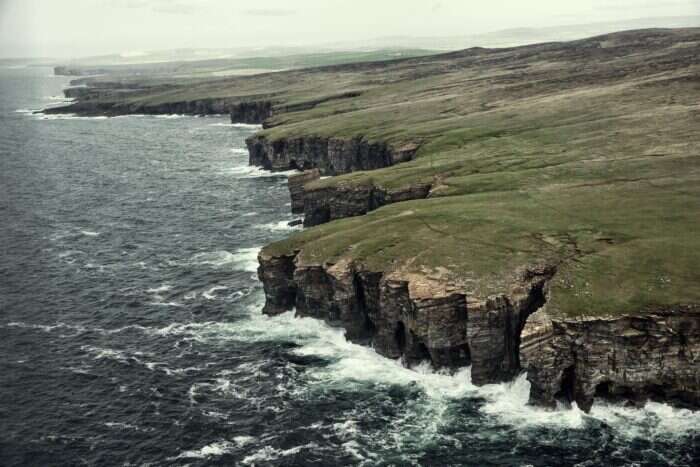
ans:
(89, 104)
(411, 317)
(329, 203)
(633, 358)
(296, 183)
(332, 156)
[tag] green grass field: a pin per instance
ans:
(583, 155)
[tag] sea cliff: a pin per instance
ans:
(527, 209)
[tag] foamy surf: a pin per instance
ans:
(282, 226)
(244, 259)
(251, 171)
(247, 126)
(215, 449)
(89, 233)
(504, 403)
(243, 126)
(43, 116)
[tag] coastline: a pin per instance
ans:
(503, 321)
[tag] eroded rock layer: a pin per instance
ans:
(332, 156)
(325, 204)
(411, 317)
(632, 358)
(296, 184)
(255, 112)
(415, 318)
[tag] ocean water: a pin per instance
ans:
(131, 330)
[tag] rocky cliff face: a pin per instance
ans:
(321, 205)
(418, 318)
(255, 112)
(332, 156)
(655, 356)
(297, 183)
(412, 317)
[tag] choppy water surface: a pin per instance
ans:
(131, 331)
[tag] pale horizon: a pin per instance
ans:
(83, 28)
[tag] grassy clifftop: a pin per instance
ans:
(582, 155)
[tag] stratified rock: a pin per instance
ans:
(90, 104)
(332, 156)
(338, 201)
(635, 358)
(296, 185)
(411, 317)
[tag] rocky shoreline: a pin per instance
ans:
(417, 318)
(654, 356)
(88, 103)
(491, 262)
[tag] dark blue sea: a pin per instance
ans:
(131, 330)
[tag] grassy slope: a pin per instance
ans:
(584, 155)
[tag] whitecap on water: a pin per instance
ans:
(244, 126)
(161, 289)
(268, 453)
(251, 171)
(171, 116)
(247, 126)
(211, 293)
(279, 226)
(505, 403)
(216, 449)
(43, 116)
(244, 259)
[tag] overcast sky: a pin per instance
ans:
(73, 28)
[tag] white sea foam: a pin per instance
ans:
(244, 259)
(123, 426)
(43, 116)
(654, 420)
(214, 258)
(89, 233)
(173, 304)
(240, 151)
(279, 226)
(250, 171)
(171, 116)
(211, 293)
(246, 126)
(243, 126)
(247, 258)
(268, 453)
(504, 403)
(161, 289)
(216, 449)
